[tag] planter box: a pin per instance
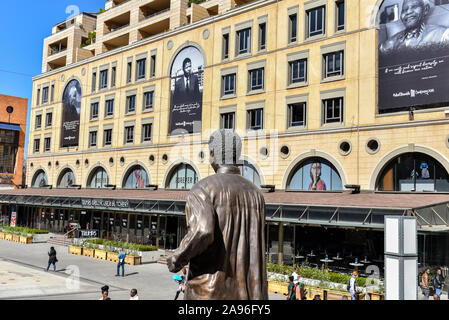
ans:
(278, 287)
(15, 238)
(8, 237)
(100, 254)
(25, 240)
(134, 261)
(76, 250)
(2, 235)
(112, 256)
(376, 296)
(89, 252)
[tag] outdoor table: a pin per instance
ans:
(326, 261)
(365, 261)
(356, 265)
(299, 257)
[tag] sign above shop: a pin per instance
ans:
(87, 234)
(105, 203)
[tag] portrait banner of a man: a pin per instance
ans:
(413, 54)
(71, 110)
(187, 74)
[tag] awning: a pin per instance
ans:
(8, 126)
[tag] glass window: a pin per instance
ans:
(110, 107)
(141, 68)
(255, 119)
(37, 145)
(297, 114)
(250, 172)
(49, 119)
(340, 15)
(316, 21)
(333, 110)
(227, 120)
(93, 139)
(130, 104)
(107, 137)
(38, 97)
(414, 172)
(52, 93)
(225, 46)
(147, 132)
(40, 179)
(298, 71)
(262, 36)
(256, 79)
(103, 79)
(229, 84)
(244, 41)
(129, 134)
(66, 179)
(98, 179)
(9, 143)
(38, 121)
(45, 95)
(182, 177)
(136, 178)
(94, 81)
(315, 174)
(47, 144)
(113, 76)
(148, 100)
(333, 64)
(153, 66)
(129, 71)
(94, 111)
(293, 27)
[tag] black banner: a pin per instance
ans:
(413, 55)
(87, 234)
(71, 109)
(186, 104)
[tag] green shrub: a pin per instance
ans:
(116, 244)
(23, 231)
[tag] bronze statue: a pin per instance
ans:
(225, 244)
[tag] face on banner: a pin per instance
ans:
(413, 54)
(71, 109)
(186, 104)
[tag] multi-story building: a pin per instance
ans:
(13, 118)
(311, 86)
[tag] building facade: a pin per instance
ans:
(13, 117)
(305, 84)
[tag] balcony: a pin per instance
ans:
(117, 23)
(153, 9)
(57, 47)
(155, 27)
(115, 43)
(56, 63)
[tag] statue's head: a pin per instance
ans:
(414, 12)
(225, 148)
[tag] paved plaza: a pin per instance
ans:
(23, 276)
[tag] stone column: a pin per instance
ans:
(178, 15)
(281, 244)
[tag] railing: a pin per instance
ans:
(117, 5)
(154, 14)
(119, 28)
(53, 52)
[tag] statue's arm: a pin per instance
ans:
(200, 235)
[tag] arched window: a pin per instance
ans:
(136, 178)
(413, 171)
(98, 179)
(315, 174)
(40, 179)
(182, 177)
(250, 172)
(66, 179)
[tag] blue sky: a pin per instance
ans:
(25, 24)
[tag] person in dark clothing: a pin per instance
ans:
(105, 293)
(291, 289)
(52, 258)
(438, 284)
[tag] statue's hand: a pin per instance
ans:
(171, 263)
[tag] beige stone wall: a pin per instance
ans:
(427, 133)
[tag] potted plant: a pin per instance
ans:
(25, 237)
(132, 256)
(76, 249)
(112, 254)
(2, 234)
(101, 253)
(89, 249)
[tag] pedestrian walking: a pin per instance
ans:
(352, 285)
(291, 289)
(52, 258)
(438, 284)
(121, 263)
(295, 276)
(133, 295)
(105, 293)
(425, 284)
(181, 280)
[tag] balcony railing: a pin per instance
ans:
(154, 14)
(56, 51)
(117, 29)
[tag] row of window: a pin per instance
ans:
(48, 120)
(48, 94)
(315, 26)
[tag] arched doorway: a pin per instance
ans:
(39, 180)
(315, 174)
(98, 178)
(66, 179)
(182, 177)
(413, 171)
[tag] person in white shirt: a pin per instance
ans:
(352, 285)
(134, 295)
(295, 276)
